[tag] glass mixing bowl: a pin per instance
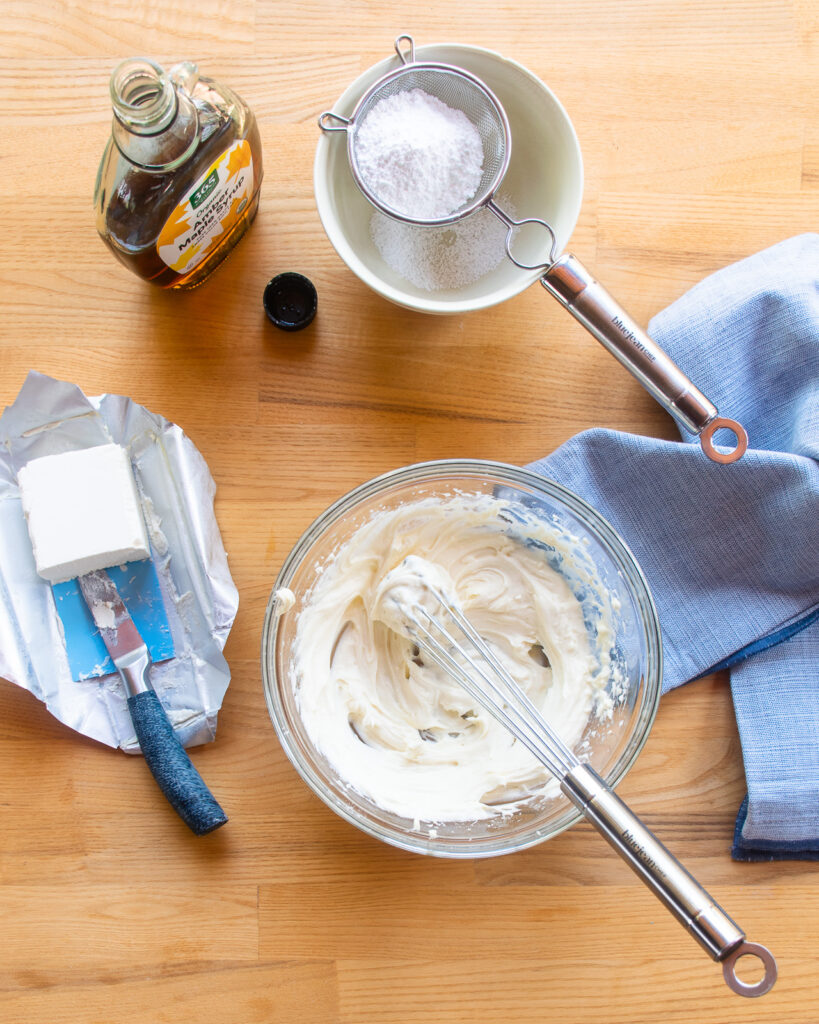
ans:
(610, 743)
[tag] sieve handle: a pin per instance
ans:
(663, 874)
(590, 304)
(325, 122)
(409, 56)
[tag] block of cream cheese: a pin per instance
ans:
(83, 511)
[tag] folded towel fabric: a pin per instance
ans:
(731, 552)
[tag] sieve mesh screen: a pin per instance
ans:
(460, 92)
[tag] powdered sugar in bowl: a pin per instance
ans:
(421, 156)
(461, 267)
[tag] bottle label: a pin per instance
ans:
(204, 218)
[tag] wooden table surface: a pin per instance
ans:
(699, 128)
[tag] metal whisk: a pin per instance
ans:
(564, 276)
(454, 645)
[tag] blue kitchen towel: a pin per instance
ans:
(731, 552)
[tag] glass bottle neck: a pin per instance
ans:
(143, 96)
(155, 123)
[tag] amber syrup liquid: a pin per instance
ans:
(141, 202)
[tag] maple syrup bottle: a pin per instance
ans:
(179, 180)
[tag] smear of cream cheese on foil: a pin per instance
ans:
(395, 727)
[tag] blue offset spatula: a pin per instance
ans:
(166, 757)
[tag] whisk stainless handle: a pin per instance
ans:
(722, 939)
(589, 303)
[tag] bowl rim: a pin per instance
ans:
(350, 98)
(430, 470)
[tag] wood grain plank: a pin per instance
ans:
(56, 29)
(422, 922)
(606, 984)
(92, 924)
(276, 993)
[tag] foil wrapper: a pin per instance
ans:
(176, 490)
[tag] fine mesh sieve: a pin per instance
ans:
(459, 90)
(563, 276)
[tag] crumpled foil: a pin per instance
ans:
(176, 489)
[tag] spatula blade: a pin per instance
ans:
(111, 617)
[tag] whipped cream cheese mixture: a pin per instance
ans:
(398, 729)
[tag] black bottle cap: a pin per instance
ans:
(290, 301)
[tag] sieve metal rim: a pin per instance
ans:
(349, 125)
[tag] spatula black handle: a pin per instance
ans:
(171, 767)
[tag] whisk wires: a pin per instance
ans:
(464, 655)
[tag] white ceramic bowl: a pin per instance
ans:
(545, 180)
